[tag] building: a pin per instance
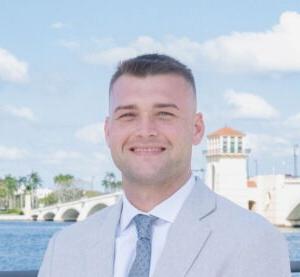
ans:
(226, 171)
(26, 200)
(276, 197)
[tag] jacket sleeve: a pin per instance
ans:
(265, 255)
(46, 267)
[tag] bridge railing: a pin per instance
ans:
(295, 268)
(78, 201)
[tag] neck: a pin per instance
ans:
(146, 197)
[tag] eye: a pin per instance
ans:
(127, 116)
(164, 114)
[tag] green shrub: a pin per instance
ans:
(12, 211)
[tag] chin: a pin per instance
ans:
(145, 178)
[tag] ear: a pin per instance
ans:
(107, 131)
(199, 128)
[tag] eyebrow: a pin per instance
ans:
(125, 107)
(166, 105)
(134, 107)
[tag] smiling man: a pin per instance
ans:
(151, 129)
(168, 223)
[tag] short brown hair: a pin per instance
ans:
(153, 64)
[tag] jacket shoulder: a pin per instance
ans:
(83, 231)
(251, 242)
(246, 228)
(63, 256)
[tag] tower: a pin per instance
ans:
(226, 172)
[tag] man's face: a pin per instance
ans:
(152, 127)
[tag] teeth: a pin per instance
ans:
(147, 149)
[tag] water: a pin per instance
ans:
(293, 238)
(22, 244)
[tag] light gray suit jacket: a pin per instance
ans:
(211, 237)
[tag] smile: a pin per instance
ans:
(147, 150)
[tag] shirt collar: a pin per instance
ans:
(166, 210)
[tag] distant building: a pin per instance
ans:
(27, 200)
(42, 192)
(276, 197)
(226, 171)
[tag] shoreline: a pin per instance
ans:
(15, 217)
(7, 217)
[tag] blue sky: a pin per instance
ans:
(56, 59)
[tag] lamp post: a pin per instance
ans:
(256, 167)
(248, 151)
(296, 146)
(202, 170)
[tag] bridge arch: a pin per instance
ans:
(49, 216)
(76, 210)
(96, 208)
(70, 215)
(294, 216)
(34, 217)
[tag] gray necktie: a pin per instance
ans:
(141, 264)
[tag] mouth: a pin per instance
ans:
(147, 150)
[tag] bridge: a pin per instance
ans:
(76, 210)
(278, 199)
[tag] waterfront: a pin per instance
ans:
(22, 244)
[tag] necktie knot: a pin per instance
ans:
(143, 225)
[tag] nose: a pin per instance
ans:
(146, 127)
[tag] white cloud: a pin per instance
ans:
(57, 25)
(100, 156)
(275, 50)
(93, 133)
(21, 112)
(12, 153)
(293, 121)
(61, 156)
(69, 44)
(250, 106)
(106, 41)
(182, 48)
(266, 144)
(12, 69)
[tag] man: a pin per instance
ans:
(168, 224)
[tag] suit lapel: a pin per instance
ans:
(99, 256)
(188, 234)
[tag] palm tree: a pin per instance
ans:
(34, 182)
(64, 184)
(30, 184)
(110, 183)
(64, 180)
(3, 195)
(22, 185)
(11, 185)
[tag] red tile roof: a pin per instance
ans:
(226, 131)
(251, 184)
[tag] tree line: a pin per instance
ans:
(13, 190)
(10, 186)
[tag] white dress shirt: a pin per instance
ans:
(126, 238)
